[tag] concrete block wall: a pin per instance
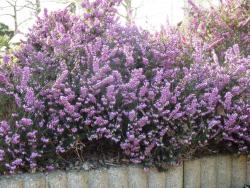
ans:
(220, 171)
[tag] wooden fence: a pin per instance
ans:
(220, 171)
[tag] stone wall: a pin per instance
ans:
(221, 171)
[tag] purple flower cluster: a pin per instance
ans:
(221, 27)
(153, 97)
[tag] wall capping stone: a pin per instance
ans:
(216, 171)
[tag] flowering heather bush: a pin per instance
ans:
(221, 27)
(84, 82)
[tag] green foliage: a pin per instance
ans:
(5, 35)
(4, 41)
(5, 106)
(4, 30)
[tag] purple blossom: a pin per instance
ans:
(4, 127)
(25, 77)
(2, 154)
(6, 59)
(26, 122)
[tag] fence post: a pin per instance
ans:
(192, 172)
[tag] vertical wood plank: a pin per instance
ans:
(192, 173)
(137, 178)
(12, 182)
(77, 179)
(208, 172)
(98, 178)
(35, 181)
(156, 179)
(118, 177)
(57, 179)
(239, 171)
(248, 170)
(174, 177)
(223, 172)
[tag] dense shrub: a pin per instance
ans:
(220, 27)
(84, 81)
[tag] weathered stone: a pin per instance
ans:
(35, 181)
(239, 171)
(118, 177)
(174, 177)
(11, 182)
(248, 170)
(98, 179)
(56, 180)
(208, 172)
(77, 179)
(224, 171)
(192, 173)
(137, 178)
(156, 179)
